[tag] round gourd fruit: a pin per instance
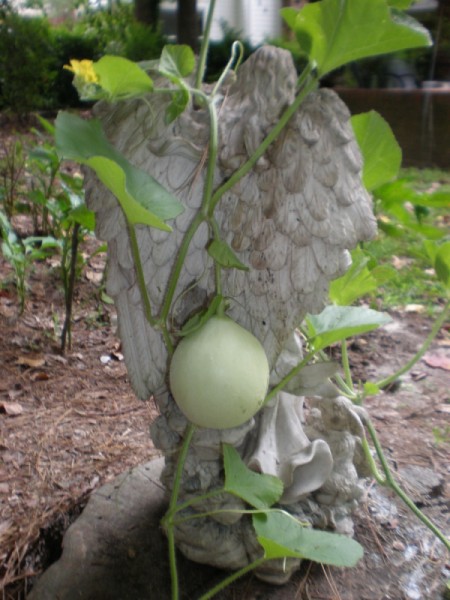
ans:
(219, 374)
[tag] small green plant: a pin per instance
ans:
(441, 435)
(61, 220)
(330, 33)
(408, 205)
(409, 225)
(12, 165)
(59, 210)
(21, 254)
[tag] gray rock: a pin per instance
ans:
(116, 551)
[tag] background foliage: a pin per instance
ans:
(33, 53)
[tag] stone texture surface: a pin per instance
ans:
(105, 552)
(116, 551)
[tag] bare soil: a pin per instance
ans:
(68, 423)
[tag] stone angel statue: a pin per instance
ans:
(292, 220)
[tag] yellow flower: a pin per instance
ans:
(83, 69)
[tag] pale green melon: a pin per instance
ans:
(219, 374)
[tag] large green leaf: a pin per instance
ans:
(381, 152)
(176, 62)
(281, 535)
(121, 78)
(361, 278)
(258, 490)
(336, 32)
(336, 323)
(180, 100)
(142, 198)
(83, 216)
(400, 4)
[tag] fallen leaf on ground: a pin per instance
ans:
(94, 276)
(40, 376)
(11, 408)
(400, 262)
(437, 361)
(5, 525)
(418, 376)
(414, 308)
(31, 361)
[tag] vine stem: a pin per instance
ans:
(310, 83)
(197, 499)
(167, 521)
(228, 580)
(292, 373)
(237, 46)
(217, 268)
(205, 45)
(212, 157)
(347, 391)
(200, 217)
(210, 199)
(178, 266)
(140, 274)
(69, 284)
(346, 366)
(389, 481)
(427, 343)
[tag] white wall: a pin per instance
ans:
(262, 19)
(255, 19)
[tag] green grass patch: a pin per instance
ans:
(415, 282)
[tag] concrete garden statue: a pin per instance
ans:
(291, 220)
(260, 178)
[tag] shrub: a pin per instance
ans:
(26, 63)
(142, 42)
(32, 54)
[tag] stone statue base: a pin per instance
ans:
(116, 551)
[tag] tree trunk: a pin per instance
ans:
(187, 23)
(147, 11)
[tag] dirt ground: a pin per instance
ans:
(69, 423)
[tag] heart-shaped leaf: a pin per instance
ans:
(381, 152)
(258, 490)
(177, 61)
(121, 78)
(336, 32)
(337, 323)
(142, 198)
(281, 535)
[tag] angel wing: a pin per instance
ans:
(292, 219)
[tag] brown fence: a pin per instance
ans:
(420, 120)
